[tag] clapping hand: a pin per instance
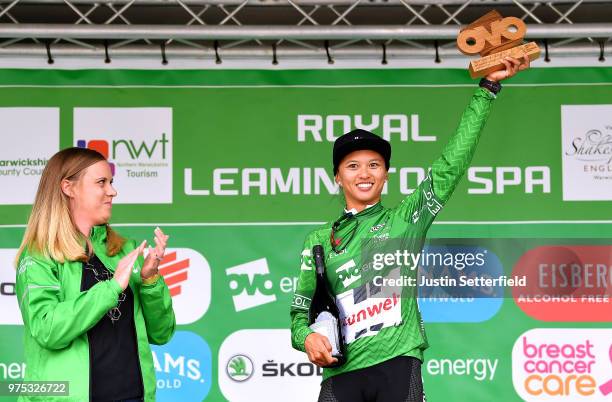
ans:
(154, 255)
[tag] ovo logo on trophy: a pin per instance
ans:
(495, 37)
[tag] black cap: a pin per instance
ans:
(357, 140)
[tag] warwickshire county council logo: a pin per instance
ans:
(250, 284)
(138, 144)
(563, 365)
(187, 274)
(239, 368)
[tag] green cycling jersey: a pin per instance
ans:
(380, 323)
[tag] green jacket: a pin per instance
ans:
(57, 316)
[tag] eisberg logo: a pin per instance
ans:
(563, 364)
(183, 368)
(587, 152)
(567, 283)
(187, 274)
(138, 144)
(30, 136)
(252, 362)
(240, 368)
(8, 300)
(250, 284)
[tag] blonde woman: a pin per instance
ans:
(90, 303)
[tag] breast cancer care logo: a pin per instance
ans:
(563, 365)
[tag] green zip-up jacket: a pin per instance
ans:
(57, 316)
(382, 322)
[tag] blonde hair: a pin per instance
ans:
(51, 231)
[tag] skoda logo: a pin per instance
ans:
(239, 368)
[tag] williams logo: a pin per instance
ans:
(250, 284)
(138, 144)
(239, 368)
(187, 274)
(587, 152)
(183, 368)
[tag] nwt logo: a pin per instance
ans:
(132, 149)
(250, 284)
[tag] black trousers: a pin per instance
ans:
(395, 380)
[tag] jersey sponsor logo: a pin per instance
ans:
(31, 135)
(138, 144)
(376, 228)
(348, 273)
(365, 310)
(187, 274)
(560, 364)
(255, 362)
(301, 302)
(11, 314)
(250, 284)
(306, 262)
(183, 368)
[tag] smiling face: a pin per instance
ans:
(362, 175)
(91, 195)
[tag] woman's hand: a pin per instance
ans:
(512, 67)
(319, 350)
(155, 255)
(125, 265)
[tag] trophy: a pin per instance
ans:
(494, 38)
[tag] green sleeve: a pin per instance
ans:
(422, 206)
(448, 169)
(158, 312)
(303, 296)
(54, 323)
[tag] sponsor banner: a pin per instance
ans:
(566, 283)
(138, 144)
(587, 152)
(259, 365)
(11, 315)
(30, 137)
(558, 364)
(187, 274)
(183, 368)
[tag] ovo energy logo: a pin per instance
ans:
(563, 365)
(250, 284)
(187, 274)
(138, 144)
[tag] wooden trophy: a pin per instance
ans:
(495, 37)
